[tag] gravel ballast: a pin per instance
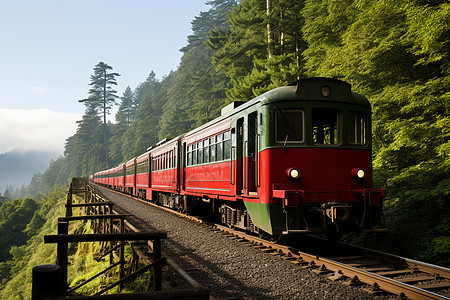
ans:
(231, 269)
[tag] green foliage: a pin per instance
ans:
(16, 273)
(4, 200)
(127, 109)
(396, 52)
(14, 217)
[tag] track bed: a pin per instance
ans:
(228, 268)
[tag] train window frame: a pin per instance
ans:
(174, 158)
(206, 151)
(226, 151)
(194, 154)
(169, 159)
(212, 149)
(336, 132)
(354, 131)
(219, 153)
(189, 155)
(283, 139)
(200, 153)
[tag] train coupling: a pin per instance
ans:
(337, 212)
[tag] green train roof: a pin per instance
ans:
(315, 89)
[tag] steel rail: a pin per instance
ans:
(411, 263)
(384, 283)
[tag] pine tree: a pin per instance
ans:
(262, 49)
(102, 96)
(127, 108)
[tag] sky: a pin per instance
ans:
(48, 49)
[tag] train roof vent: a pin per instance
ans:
(230, 107)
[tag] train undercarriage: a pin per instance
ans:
(333, 219)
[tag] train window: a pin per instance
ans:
(166, 160)
(174, 158)
(219, 147)
(325, 124)
(289, 126)
(200, 153)
(212, 150)
(358, 128)
(226, 135)
(206, 151)
(169, 160)
(226, 145)
(194, 154)
(194, 157)
(189, 155)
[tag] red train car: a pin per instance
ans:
(143, 182)
(130, 176)
(207, 169)
(165, 172)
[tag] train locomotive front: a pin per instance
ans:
(307, 158)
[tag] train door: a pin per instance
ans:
(149, 170)
(182, 167)
(240, 156)
(252, 154)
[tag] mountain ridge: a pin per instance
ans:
(18, 167)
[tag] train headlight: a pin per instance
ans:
(325, 91)
(359, 173)
(293, 173)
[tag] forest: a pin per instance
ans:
(396, 53)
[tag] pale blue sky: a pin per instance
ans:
(48, 49)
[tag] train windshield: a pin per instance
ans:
(289, 126)
(325, 126)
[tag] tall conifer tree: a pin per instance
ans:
(102, 96)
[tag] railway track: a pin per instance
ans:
(378, 273)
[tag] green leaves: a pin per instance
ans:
(428, 27)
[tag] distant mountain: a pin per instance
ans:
(17, 168)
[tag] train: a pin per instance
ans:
(294, 160)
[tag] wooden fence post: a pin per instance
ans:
(63, 228)
(69, 202)
(156, 257)
(46, 282)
